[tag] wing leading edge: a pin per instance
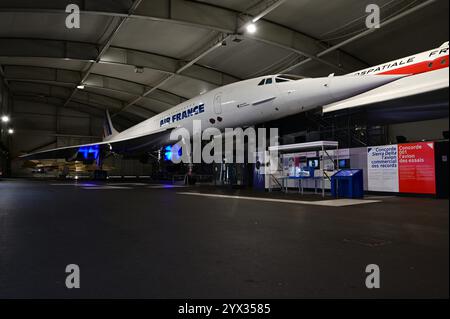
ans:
(405, 87)
(130, 145)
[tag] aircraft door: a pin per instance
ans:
(218, 103)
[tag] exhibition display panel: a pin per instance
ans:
(316, 161)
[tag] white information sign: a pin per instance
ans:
(382, 162)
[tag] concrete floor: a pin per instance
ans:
(136, 241)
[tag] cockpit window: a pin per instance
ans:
(266, 81)
(282, 78)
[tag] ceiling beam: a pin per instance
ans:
(360, 35)
(49, 48)
(85, 52)
(74, 106)
(69, 78)
(106, 46)
(267, 7)
(88, 97)
(209, 49)
(223, 37)
(90, 92)
(218, 19)
(2, 75)
(167, 65)
(278, 35)
(44, 92)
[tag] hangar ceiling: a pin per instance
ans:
(141, 57)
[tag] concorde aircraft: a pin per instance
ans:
(267, 98)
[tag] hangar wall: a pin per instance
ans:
(40, 126)
(116, 167)
(5, 102)
(127, 168)
(417, 131)
(4, 98)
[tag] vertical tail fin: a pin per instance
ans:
(108, 129)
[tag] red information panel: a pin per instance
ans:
(416, 168)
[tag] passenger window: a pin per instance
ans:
(269, 81)
(262, 82)
(278, 80)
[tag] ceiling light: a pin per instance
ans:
(10, 131)
(251, 28)
(5, 119)
(80, 87)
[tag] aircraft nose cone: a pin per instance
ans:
(347, 86)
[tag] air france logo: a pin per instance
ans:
(194, 111)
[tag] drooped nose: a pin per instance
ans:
(343, 87)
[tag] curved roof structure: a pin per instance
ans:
(141, 57)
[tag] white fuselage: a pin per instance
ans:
(249, 102)
(269, 98)
(255, 101)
